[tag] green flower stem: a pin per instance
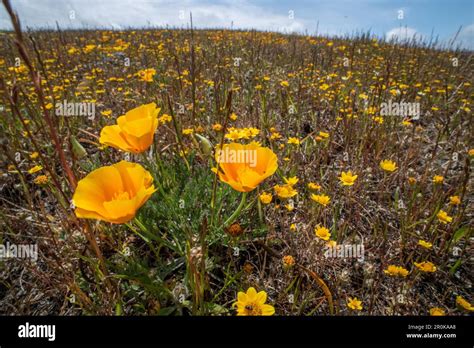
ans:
(142, 236)
(236, 213)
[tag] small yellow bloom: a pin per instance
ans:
(412, 180)
(275, 135)
(407, 123)
(437, 312)
(106, 113)
(314, 186)
(321, 199)
(146, 75)
(285, 191)
(322, 232)
(113, 193)
(252, 303)
(454, 200)
(233, 116)
(443, 217)
(471, 152)
(388, 165)
(425, 266)
(293, 227)
(284, 83)
(438, 179)
(35, 169)
(41, 180)
(266, 198)
(164, 118)
(293, 141)
(134, 131)
(187, 131)
(49, 106)
(394, 270)
(288, 261)
(217, 127)
(291, 181)
(425, 244)
(34, 155)
(324, 135)
(464, 303)
(347, 178)
(354, 304)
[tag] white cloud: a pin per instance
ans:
(402, 34)
(466, 37)
(143, 13)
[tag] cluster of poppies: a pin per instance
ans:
(115, 193)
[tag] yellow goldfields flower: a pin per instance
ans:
(443, 217)
(354, 304)
(322, 232)
(106, 113)
(266, 198)
(285, 191)
(284, 83)
(314, 186)
(233, 116)
(291, 181)
(41, 180)
(288, 261)
(294, 141)
(412, 180)
(425, 244)
(275, 135)
(394, 270)
(49, 106)
(134, 131)
(388, 165)
(146, 75)
(407, 123)
(425, 266)
(347, 178)
(437, 312)
(293, 227)
(113, 193)
(164, 118)
(454, 200)
(438, 179)
(34, 155)
(253, 303)
(321, 199)
(471, 152)
(187, 131)
(217, 127)
(324, 135)
(464, 303)
(35, 169)
(246, 175)
(378, 119)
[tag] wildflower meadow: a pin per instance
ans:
(218, 172)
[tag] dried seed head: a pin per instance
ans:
(235, 230)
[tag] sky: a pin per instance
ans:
(392, 19)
